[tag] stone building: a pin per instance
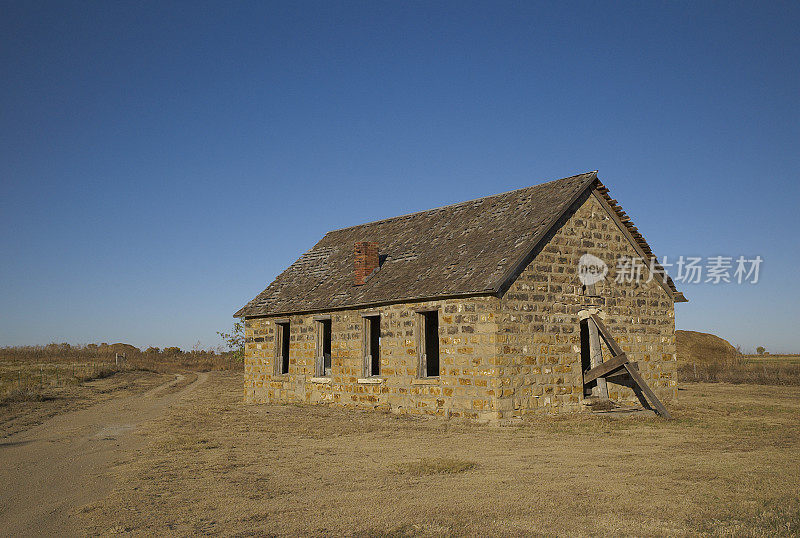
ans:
(471, 310)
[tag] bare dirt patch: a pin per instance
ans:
(22, 409)
(52, 469)
(727, 465)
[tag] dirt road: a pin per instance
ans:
(49, 471)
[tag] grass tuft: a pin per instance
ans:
(25, 395)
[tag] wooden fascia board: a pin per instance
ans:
(634, 243)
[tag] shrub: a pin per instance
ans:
(234, 340)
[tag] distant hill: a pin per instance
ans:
(693, 346)
(123, 348)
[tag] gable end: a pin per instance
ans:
(593, 188)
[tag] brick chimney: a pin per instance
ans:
(366, 260)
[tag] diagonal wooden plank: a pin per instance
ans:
(642, 390)
(620, 377)
(605, 368)
(654, 401)
(640, 395)
(607, 338)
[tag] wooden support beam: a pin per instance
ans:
(644, 393)
(605, 368)
(607, 338)
(596, 358)
(621, 376)
(654, 401)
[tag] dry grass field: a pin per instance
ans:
(37, 382)
(787, 360)
(143, 452)
(704, 357)
(727, 465)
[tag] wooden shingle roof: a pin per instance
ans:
(469, 248)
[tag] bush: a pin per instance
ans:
(234, 341)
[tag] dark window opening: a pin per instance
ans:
(326, 347)
(375, 344)
(431, 343)
(283, 348)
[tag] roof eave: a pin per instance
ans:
(626, 225)
(484, 293)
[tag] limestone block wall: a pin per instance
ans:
(467, 387)
(538, 323)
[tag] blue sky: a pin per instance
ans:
(161, 162)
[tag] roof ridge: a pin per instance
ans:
(465, 202)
